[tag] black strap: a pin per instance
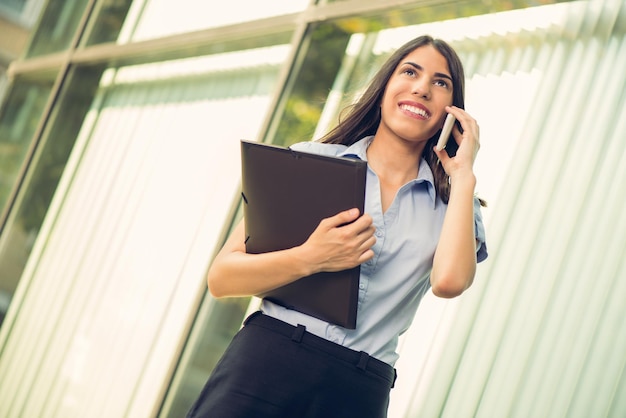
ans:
(363, 359)
(298, 333)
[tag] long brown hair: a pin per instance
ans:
(363, 116)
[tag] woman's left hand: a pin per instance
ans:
(454, 264)
(468, 141)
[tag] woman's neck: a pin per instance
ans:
(395, 165)
(395, 161)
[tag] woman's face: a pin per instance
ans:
(413, 105)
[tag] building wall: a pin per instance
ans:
(17, 19)
(121, 175)
(12, 42)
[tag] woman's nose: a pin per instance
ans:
(421, 88)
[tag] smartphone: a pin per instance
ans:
(445, 131)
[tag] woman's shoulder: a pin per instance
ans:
(319, 148)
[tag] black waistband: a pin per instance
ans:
(361, 360)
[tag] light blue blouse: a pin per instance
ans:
(393, 283)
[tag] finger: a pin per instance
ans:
(342, 218)
(362, 228)
(457, 135)
(366, 256)
(365, 236)
(368, 242)
(442, 155)
(467, 122)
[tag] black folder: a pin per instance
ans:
(286, 193)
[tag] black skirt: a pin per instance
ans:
(273, 369)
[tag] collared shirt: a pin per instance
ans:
(393, 283)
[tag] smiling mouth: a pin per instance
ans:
(415, 110)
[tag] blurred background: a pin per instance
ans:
(120, 123)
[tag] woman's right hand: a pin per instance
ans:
(341, 242)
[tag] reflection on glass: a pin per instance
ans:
(57, 26)
(111, 15)
(15, 6)
(218, 320)
(165, 17)
(314, 80)
(21, 114)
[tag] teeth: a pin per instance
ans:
(415, 110)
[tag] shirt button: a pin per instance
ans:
(361, 286)
(379, 233)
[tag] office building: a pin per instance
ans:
(119, 180)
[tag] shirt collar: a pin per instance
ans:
(424, 173)
(358, 149)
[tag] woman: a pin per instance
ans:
(421, 229)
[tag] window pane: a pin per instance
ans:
(164, 17)
(129, 233)
(22, 112)
(315, 78)
(219, 321)
(4, 83)
(15, 6)
(57, 26)
(19, 116)
(108, 23)
(23, 12)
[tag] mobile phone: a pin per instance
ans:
(445, 131)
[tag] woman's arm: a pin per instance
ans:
(454, 264)
(340, 242)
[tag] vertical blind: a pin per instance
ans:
(157, 18)
(542, 331)
(123, 252)
(129, 235)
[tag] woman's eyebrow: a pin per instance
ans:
(419, 67)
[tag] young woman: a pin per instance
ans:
(421, 229)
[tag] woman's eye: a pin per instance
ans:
(442, 83)
(409, 71)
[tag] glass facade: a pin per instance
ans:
(22, 12)
(108, 21)
(19, 117)
(158, 18)
(119, 173)
(59, 25)
(15, 6)
(19, 120)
